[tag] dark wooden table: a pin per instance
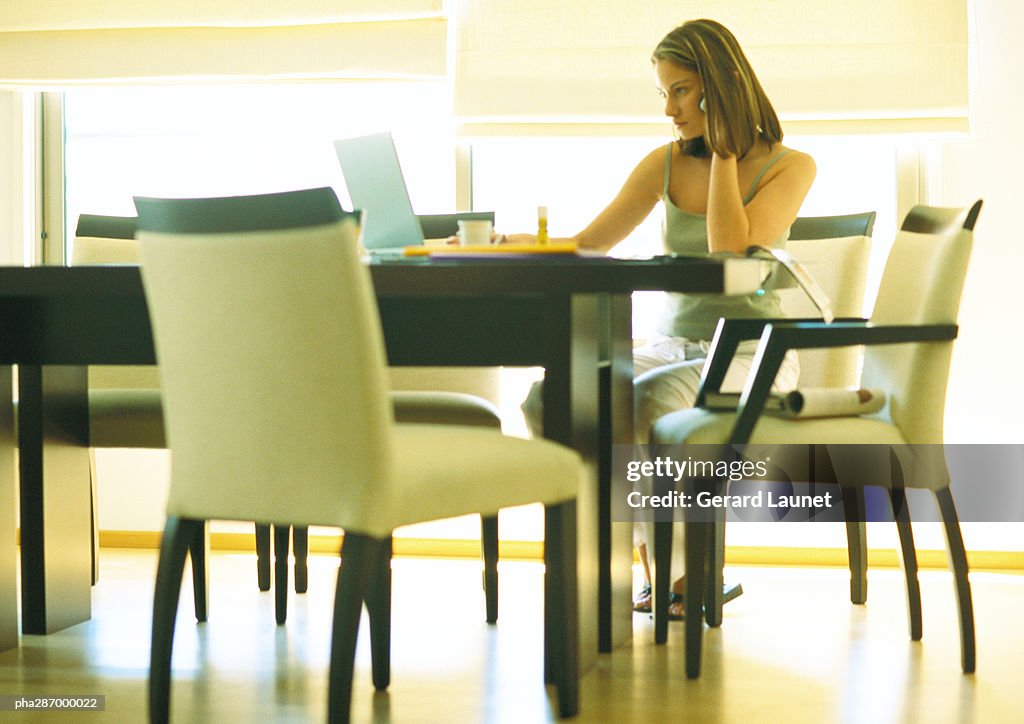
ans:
(570, 316)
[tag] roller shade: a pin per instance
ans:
(547, 66)
(53, 42)
(856, 66)
(22, 15)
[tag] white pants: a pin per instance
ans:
(666, 375)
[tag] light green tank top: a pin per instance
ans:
(695, 316)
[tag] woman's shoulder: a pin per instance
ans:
(657, 155)
(651, 168)
(780, 167)
(668, 156)
(790, 164)
(796, 159)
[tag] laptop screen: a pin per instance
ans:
(375, 184)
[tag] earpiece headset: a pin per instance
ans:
(703, 105)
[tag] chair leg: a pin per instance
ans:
(378, 608)
(199, 552)
(696, 544)
(856, 542)
(561, 606)
(300, 542)
(489, 547)
(360, 556)
(95, 513)
(300, 536)
(281, 573)
(178, 534)
(263, 556)
(716, 575)
(662, 579)
(958, 562)
(908, 561)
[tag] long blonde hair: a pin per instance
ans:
(738, 110)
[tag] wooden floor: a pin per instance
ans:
(791, 649)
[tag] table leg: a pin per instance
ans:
(615, 614)
(56, 567)
(571, 354)
(8, 544)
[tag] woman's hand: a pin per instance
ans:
(516, 239)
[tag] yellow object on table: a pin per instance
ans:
(567, 247)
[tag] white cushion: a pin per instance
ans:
(840, 266)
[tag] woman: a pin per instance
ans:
(727, 183)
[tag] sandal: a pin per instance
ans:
(642, 602)
(676, 606)
(677, 601)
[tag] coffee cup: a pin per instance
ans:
(475, 232)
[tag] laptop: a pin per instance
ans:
(375, 184)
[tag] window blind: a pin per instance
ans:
(59, 42)
(560, 66)
(852, 66)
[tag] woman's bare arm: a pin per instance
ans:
(733, 226)
(633, 203)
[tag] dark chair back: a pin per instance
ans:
(832, 227)
(939, 219)
(106, 227)
(440, 226)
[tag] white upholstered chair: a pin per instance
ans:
(908, 344)
(277, 410)
(126, 411)
(835, 250)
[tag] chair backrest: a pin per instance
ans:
(104, 240)
(940, 219)
(440, 226)
(922, 284)
(101, 239)
(836, 251)
(268, 335)
(833, 227)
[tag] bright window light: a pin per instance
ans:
(231, 140)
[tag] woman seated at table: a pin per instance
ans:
(726, 183)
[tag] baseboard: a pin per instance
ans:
(331, 544)
(1010, 561)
